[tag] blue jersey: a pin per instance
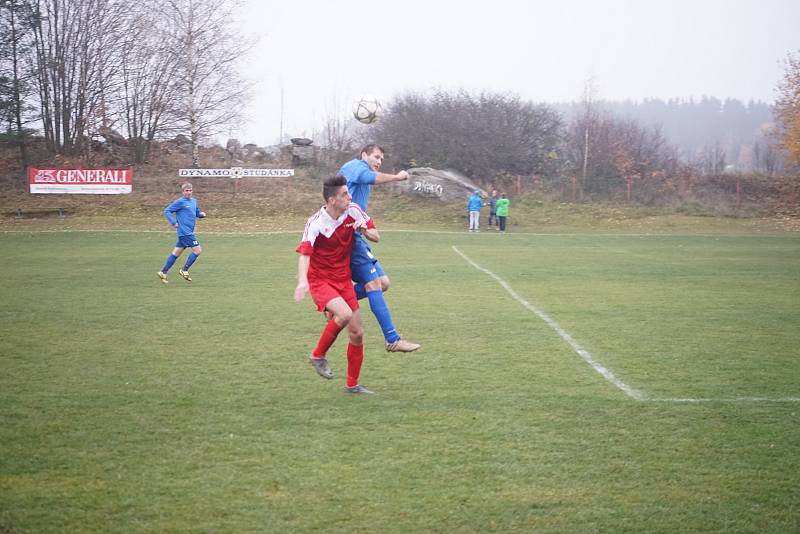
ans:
(186, 212)
(475, 203)
(359, 183)
(359, 180)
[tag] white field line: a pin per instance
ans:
(724, 399)
(146, 231)
(580, 351)
(385, 230)
(607, 374)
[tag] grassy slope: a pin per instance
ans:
(283, 205)
(264, 205)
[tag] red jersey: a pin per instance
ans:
(329, 242)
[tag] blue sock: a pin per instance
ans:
(360, 291)
(169, 263)
(381, 311)
(190, 261)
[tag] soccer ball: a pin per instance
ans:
(367, 109)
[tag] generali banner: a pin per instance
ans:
(81, 181)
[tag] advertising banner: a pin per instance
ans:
(236, 172)
(81, 181)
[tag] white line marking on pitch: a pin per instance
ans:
(606, 373)
(580, 351)
(728, 399)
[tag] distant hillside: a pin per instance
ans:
(695, 127)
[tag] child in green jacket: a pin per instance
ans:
(502, 212)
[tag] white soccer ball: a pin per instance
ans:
(367, 109)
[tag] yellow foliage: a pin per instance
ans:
(787, 108)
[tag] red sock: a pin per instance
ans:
(326, 339)
(355, 355)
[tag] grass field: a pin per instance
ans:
(663, 395)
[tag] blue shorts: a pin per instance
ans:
(187, 241)
(364, 265)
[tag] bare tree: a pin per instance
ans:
(620, 153)
(75, 47)
(712, 159)
(209, 91)
(589, 120)
(767, 158)
(482, 135)
(148, 66)
(15, 87)
(339, 131)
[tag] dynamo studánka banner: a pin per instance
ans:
(235, 172)
(81, 181)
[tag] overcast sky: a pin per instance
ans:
(321, 54)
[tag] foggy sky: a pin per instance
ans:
(323, 53)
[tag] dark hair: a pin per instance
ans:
(331, 186)
(370, 147)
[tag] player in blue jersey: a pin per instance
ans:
(370, 279)
(186, 212)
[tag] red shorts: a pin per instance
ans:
(324, 291)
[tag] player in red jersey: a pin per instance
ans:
(324, 271)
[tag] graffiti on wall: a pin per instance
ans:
(428, 188)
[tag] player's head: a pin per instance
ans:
(186, 189)
(332, 186)
(373, 155)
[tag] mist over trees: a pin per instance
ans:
(708, 132)
(615, 152)
(489, 134)
(593, 151)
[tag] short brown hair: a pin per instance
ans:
(370, 147)
(331, 185)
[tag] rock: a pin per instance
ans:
(233, 146)
(273, 151)
(303, 154)
(112, 136)
(251, 151)
(181, 140)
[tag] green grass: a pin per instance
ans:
(128, 406)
